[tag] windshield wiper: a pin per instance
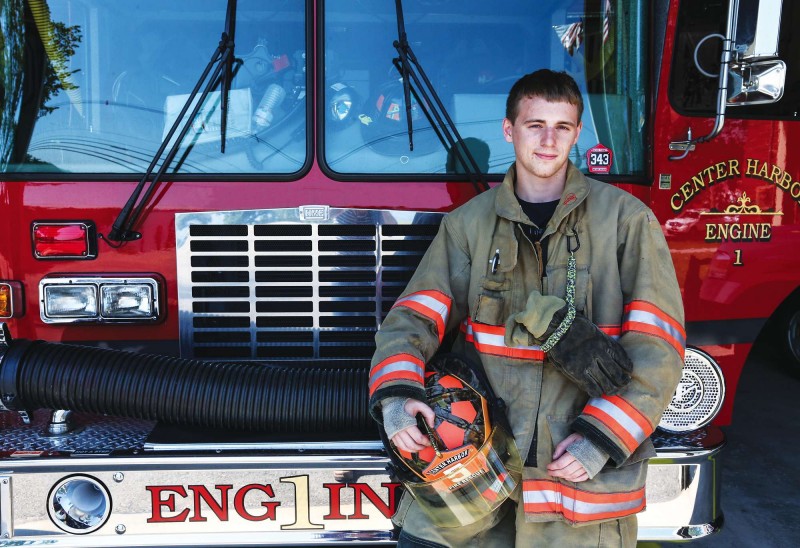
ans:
(221, 62)
(428, 100)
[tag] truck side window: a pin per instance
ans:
(693, 93)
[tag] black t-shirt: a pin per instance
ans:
(540, 213)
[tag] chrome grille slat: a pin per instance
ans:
(267, 285)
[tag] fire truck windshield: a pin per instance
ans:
(93, 86)
(473, 51)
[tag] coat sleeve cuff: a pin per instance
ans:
(404, 391)
(591, 432)
(592, 457)
(395, 418)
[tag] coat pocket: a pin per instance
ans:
(490, 305)
(559, 427)
(399, 517)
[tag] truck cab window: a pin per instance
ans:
(93, 87)
(693, 85)
(473, 52)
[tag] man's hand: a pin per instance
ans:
(411, 438)
(564, 465)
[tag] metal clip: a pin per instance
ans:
(577, 242)
(494, 261)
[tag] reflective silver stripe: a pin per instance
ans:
(642, 316)
(380, 372)
(564, 502)
(541, 496)
(620, 416)
(435, 305)
(495, 339)
(600, 507)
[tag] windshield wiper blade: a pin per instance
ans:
(402, 46)
(222, 64)
(411, 71)
(227, 74)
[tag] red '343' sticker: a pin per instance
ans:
(599, 159)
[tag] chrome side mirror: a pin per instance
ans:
(759, 42)
(756, 83)
(756, 76)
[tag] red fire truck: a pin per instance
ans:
(207, 207)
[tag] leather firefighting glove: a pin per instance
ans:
(576, 347)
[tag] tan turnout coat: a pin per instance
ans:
(625, 284)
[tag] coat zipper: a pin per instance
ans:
(538, 247)
(531, 459)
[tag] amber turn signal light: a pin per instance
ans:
(10, 300)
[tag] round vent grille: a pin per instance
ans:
(698, 397)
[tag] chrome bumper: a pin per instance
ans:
(215, 496)
(683, 489)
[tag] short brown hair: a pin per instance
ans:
(547, 84)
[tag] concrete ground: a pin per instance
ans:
(761, 475)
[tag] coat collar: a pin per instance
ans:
(575, 192)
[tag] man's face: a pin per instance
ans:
(542, 135)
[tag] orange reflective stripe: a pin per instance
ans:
(613, 331)
(627, 440)
(547, 496)
(653, 309)
(395, 368)
(621, 418)
(490, 339)
(431, 304)
(644, 317)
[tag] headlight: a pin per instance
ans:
(71, 301)
(79, 504)
(98, 299)
(132, 300)
(698, 397)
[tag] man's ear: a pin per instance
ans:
(578, 132)
(507, 127)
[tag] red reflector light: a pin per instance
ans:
(62, 240)
(5, 301)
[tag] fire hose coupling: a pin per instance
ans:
(10, 352)
(5, 337)
(5, 340)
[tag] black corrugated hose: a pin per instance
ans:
(193, 393)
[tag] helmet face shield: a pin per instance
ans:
(473, 464)
(471, 483)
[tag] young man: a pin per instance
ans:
(500, 272)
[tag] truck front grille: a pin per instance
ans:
(270, 285)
